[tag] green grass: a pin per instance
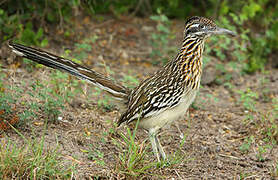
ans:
(35, 99)
(132, 155)
(262, 124)
(32, 160)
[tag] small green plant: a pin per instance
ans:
(29, 37)
(243, 175)
(245, 147)
(130, 81)
(83, 49)
(248, 99)
(212, 97)
(96, 155)
(63, 85)
(267, 124)
(173, 159)
(261, 151)
(51, 103)
(8, 24)
(6, 102)
(258, 57)
(103, 101)
(160, 40)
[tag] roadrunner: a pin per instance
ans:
(160, 99)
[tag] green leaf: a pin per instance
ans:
(155, 18)
(39, 34)
(163, 28)
(44, 42)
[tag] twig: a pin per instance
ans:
(232, 157)
(73, 159)
(102, 24)
(178, 174)
(137, 8)
(251, 177)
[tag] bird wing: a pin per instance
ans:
(152, 96)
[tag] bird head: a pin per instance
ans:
(202, 28)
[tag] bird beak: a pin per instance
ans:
(223, 31)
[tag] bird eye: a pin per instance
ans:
(202, 26)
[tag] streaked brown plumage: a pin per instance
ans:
(161, 98)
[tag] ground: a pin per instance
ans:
(217, 139)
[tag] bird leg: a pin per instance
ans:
(181, 134)
(160, 148)
(156, 146)
(152, 137)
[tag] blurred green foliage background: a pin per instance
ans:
(256, 21)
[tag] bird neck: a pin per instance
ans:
(192, 50)
(189, 61)
(187, 66)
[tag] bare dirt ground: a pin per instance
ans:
(214, 129)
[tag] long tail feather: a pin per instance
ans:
(56, 62)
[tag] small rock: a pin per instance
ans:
(77, 103)
(123, 54)
(7, 55)
(147, 28)
(209, 75)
